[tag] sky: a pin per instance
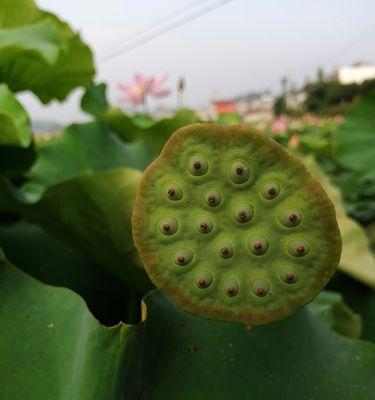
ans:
(242, 46)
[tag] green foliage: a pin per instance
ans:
(279, 106)
(329, 96)
(235, 361)
(332, 311)
(16, 147)
(40, 53)
(355, 153)
(14, 122)
(94, 100)
(52, 348)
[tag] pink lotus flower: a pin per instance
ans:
(280, 125)
(141, 87)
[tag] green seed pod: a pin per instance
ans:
(289, 217)
(243, 212)
(298, 248)
(173, 192)
(271, 190)
(225, 249)
(168, 225)
(198, 165)
(239, 171)
(204, 279)
(288, 275)
(240, 256)
(231, 287)
(257, 244)
(183, 256)
(212, 198)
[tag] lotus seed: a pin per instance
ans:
(290, 217)
(168, 225)
(198, 165)
(231, 287)
(288, 275)
(225, 249)
(183, 256)
(204, 279)
(271, 190)
(212, 198)
(173, 192)
(260, 287)
(257, 244)
(239, 171)
(298, 248)
(204, 224)
(243, 212)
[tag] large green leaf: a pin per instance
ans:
(149, 136)
(330, 309)
(356, 137)
(92, 213)
(52, 348)
(94, 100)
(48, 260)
(188, 357)
(356, 258)
(14, 121)
(39, 52)
(80, 148)
(355, 140)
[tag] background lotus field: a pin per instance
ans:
(79, 317)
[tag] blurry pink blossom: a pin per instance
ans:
(293, 142)
(280, 125)
(141, 87)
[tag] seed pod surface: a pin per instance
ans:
(234, 228)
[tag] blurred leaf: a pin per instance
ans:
(40, 53)
(360, 298)
(52, 348)
(229, 119)
(123, 125)
(356, 258)
(80, 148)
(14, 121)
(92, 213)
(156, 135)
(296, 358)
(94, 100)
(148, 137)
(355, 152)
(356, 139)
(330, 309)
(48, 260)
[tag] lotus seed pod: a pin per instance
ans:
(252, 236)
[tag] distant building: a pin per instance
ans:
(357, 73)
(224, 106)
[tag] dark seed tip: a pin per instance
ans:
(197, 164)
(239, 170)
(258, 246)
(300, 250)
(261, 292)
(165, 227)
(202, 282)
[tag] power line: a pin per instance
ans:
(148, 38)
(156, 24)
